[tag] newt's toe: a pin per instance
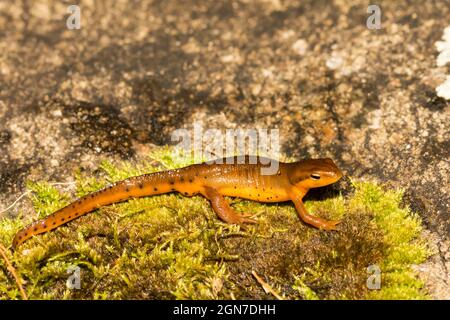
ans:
(330, 225)
(246, 218)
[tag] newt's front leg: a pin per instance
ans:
(317, 222)
(223, 209)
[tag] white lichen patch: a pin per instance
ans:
(300, 47)
(443, 90)
(443, 58)
(444, 48)
(335, 61)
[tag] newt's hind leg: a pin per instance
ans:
(310, 219)
(223, 209)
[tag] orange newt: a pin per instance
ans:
(242, 178)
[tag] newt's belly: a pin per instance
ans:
(268, 194)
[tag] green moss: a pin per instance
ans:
(306, 292)
(401, 229)
(174, 247)
(46, 198)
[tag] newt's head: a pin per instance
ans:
(314, 173)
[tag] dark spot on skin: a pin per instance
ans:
(127, 189)
(70, 217)
(44, 226)
(171, 181)
(156, 189)
(268, 198)
(259, 195)
(26, 233)
(205, 177)
(141, 185)
(20, 237)
(35, 229)
(181, 179)
(173, 189)
(235, 187)
(92, 195)
(73, 206)
(76, 213)
(53, 223)
(190, 180)
(62, 219)
(186, 193)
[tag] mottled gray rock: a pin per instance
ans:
(136, 71)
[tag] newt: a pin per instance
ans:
(240, 177)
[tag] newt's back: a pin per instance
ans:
(249, 177)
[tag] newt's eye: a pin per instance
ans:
(315, 176)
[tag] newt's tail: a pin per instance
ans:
(140, 186)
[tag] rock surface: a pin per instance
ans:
(136, 71)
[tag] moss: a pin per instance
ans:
(401, 229)
(46, 198)
(174, 247)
